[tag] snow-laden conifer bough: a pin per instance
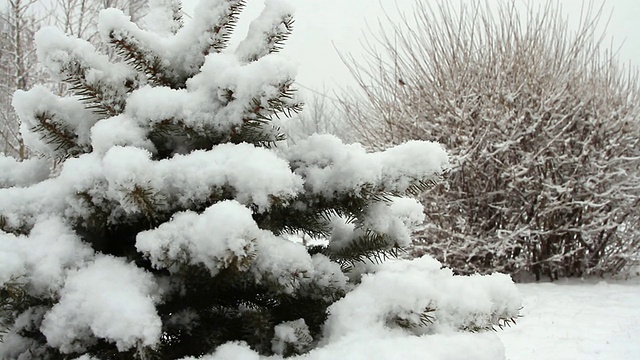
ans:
(165, 231)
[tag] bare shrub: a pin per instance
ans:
(541, 121)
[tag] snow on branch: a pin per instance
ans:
(22, 173)
(107, 289)
(330, 167)
(43, 258)
(225, 236)
(101, 84)
(141, 49)
(425, 299)
(52, 125)
(165, 17)
(170, 59)
(254, 176)
(267, 32)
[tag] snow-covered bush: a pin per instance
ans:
(166, 229)
(542, 127)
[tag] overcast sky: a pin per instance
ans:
(322, 26)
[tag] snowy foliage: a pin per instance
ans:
(166, 230)
(23, 173)
(83, 310)
(542, 126)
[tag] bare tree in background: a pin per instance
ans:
(542, 124)
(18, 67)
(80, 17)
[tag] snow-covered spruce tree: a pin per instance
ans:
(542, 126)
(167, 229)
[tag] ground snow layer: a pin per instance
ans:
(576, 320)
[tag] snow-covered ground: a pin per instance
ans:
(570, 320)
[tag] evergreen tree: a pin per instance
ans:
(169, 226)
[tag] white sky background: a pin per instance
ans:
(325, 27)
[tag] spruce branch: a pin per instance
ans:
(419, 186)
(277, 38)
(147, 201)
(172, 135)
(370, 246)
(300, 343)
(143, 60)
(284, 102)
(370, 193)
(307, 214)
(221, 32)
(496, 322)
(3, 224)
(311, 214)
(243, 263)
(310, 225)
(12, 294)
(94, 98)
(505, 322)
(272, 40)
(52, 132)
(327, 293)
(256, 127)
(97, 218)
(22, 229)
(98, 96)
(259, 133)
(12, 298)
(425, 318)
(177, 16)
(169, 128)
